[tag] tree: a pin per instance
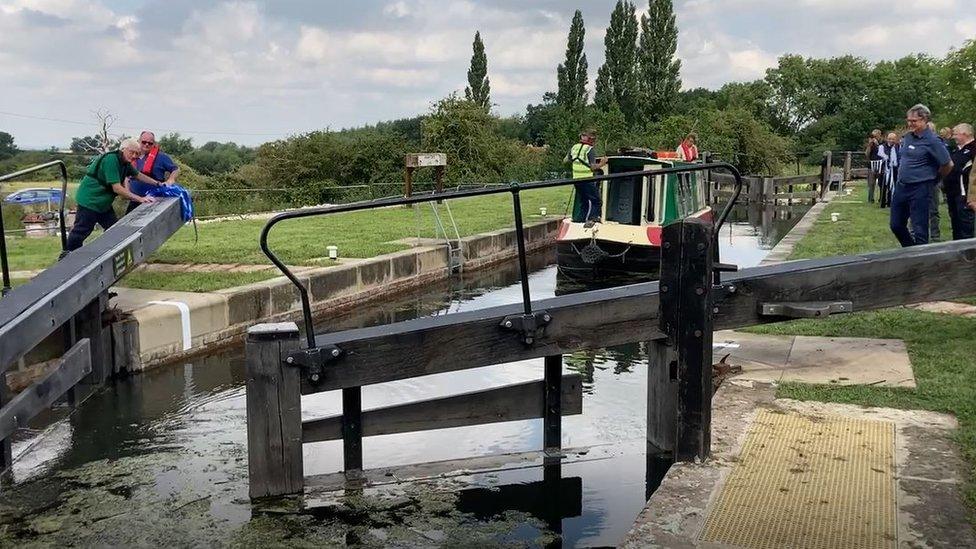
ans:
(7, 147)
(478, 90)
(476, 151)
(658, 80)
(101, 142)
(571, 74)
(218, 158)
(616, 82)
(957, 98)
(176, 145)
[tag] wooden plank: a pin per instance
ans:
(497, 405)
(321, 488)
(871, 281)
(32, 311)
(662, 398)
(274, 414)
(70, 369)
(603, 318)
(686, 318)
(432, 345)
(89, 325)
(552, 415)
(125, 347)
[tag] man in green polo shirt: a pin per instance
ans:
(103, 180)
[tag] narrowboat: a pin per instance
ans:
(626, 239)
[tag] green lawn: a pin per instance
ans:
(942, 348)
(861, 228)
(357, 234)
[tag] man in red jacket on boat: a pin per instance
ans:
(154, 163)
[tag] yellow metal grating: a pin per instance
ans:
(809, 482)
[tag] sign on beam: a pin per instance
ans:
(426, 160)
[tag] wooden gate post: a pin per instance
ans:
(847, 165)
(828, 169)
(686, 318)
(274, 412)
(90, 325)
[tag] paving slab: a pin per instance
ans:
(819, 360)
(785, 473)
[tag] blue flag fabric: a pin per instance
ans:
(175, 191)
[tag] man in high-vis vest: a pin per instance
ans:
(586, 165)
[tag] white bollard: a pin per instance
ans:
(333, 252)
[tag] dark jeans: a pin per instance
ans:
(589, 196)
(885, 182)
(961, 217)
(935, 233)
(132, 205)
(85, 221)
(911, 201)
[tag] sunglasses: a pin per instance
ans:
(148, 142)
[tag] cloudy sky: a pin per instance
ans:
(252, 71)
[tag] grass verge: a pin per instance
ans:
(941, 347)
(298, 242)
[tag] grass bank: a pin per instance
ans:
(300, 242)
(942, 348)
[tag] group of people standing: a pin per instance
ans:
(912, 171)
(131, 172)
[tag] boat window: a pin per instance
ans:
(651, 197)
(684, 195)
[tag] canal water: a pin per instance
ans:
(161, 458)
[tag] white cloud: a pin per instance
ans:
(249, 66)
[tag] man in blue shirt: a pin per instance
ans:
(154, 163)
(924, 160)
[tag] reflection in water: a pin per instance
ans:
(175, 437)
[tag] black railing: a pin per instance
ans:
(64, 198)
(514, 188)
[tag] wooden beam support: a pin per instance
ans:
(475, 338)
(274, 412)
(32, 311)
(70, 369)
(686, 318)
(500, 404)
(616, 316)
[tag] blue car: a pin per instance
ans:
(34, 196)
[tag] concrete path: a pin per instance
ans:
(821, 360)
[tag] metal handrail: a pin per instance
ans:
(64, 198)
(514, 188)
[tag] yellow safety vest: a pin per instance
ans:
(580, 154)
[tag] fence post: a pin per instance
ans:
(847, 165)
(552, 414)
(828, 168)
(686, 318)
(274, 412)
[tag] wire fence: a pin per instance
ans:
(211, 203)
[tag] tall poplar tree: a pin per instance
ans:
(658, 79)
(571, 74)
(616, 80)
(478, 89)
